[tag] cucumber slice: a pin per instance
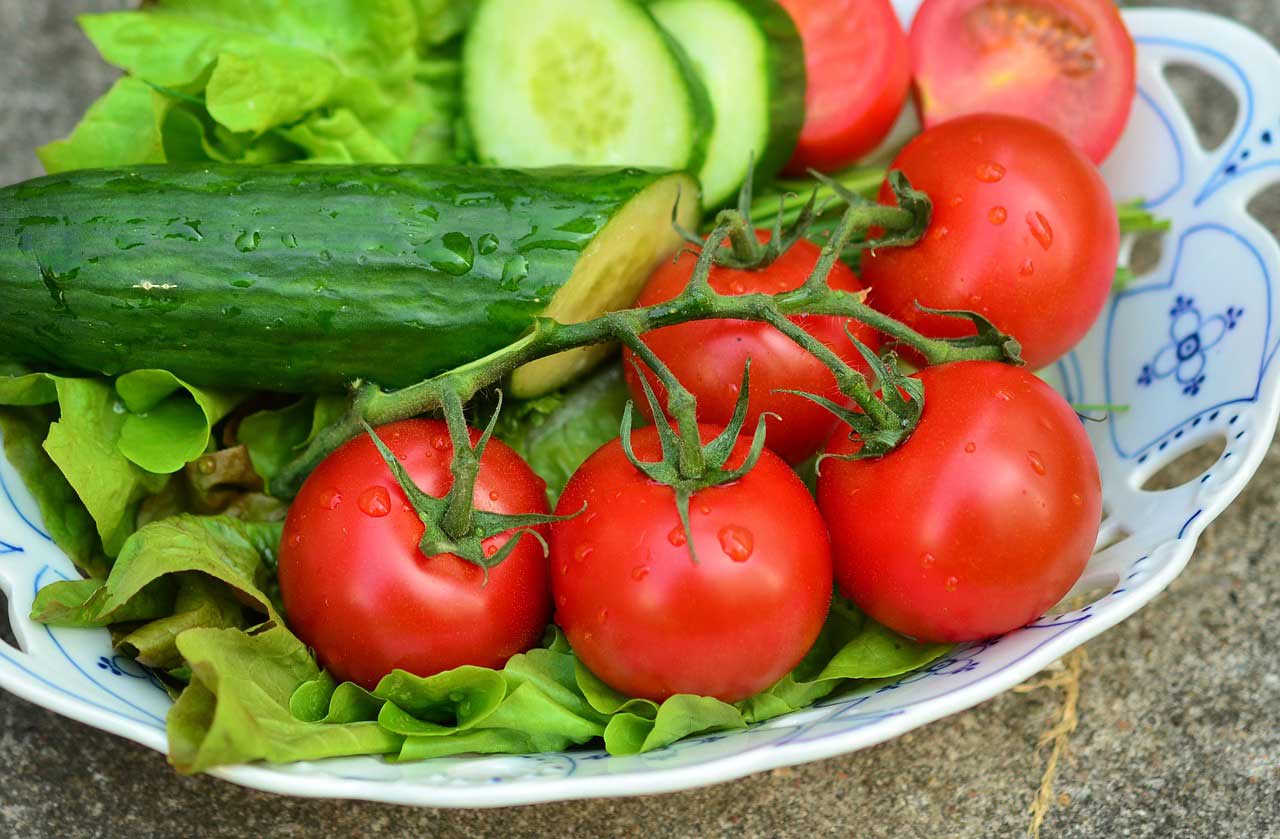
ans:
(610, 274)
(588, 82)
(757, 85)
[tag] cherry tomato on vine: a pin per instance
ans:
(1067, 63)
(708, 356)
(980, 522)
(650, 621)
(357, 589)
(1023, 232)
(859, 74)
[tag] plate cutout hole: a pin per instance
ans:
(1207, 102)
(1087, 591)
(1265, 206)
(6, 628)
(1187, 466)
(1146, 252)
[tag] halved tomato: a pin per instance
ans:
(1067, 63)
(859, 71)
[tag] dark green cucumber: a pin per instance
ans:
(302, 278)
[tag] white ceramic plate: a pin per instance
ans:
(1189, 347)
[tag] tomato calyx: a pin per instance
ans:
(452, 524)
(901, 404)
(688, 465)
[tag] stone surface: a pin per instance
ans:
(1179, 714)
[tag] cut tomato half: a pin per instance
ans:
(1067, 63)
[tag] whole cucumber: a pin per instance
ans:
(304, 278)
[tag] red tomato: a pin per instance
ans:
(647, 619)
(859, 74)
(357, 589)
(1067, 63)
(980, 522)
(708, 356)
(1023, 231)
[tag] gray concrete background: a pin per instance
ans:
(1179, 731)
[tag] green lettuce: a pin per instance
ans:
(556, 433)
(370, 81)
(112, 443)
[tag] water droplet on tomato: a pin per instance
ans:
(706, 510)
(1077, 499)
(927, 561)
(997, 215)
(405, 508)
(957, 201)
(1040, 229)
(951, 583)
(1037, 465)
(970, 447)
(440, 443)
(736, 287)
(676, 536)
(1027, 268)
(561, 601)
(587, 636)
(490, 550)
(1004, 396)
(375, 501)
(296, 540)
(940, 233)
(493, 495)
(603, 616)
(330, 499)
(736, 542)
(583, 553)
(990, 172)
(639, 572)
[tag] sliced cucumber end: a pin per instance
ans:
(610, 274)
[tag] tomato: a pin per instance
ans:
(980, 522)
(708, 356)
(1067, 63)
(1023, 231)
(357, 589)
(651, 622)
(859, 74)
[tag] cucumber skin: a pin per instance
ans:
(788, 84)
(293, 277)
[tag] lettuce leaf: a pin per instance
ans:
(65, 518)
(237, 705)
(367, 81)
(113, 444)
(122, 128)
(556, 433)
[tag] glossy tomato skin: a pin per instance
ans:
(1023, 231)
(1067, 63)
(707, 357)
(647, 619)
(980, 522)
(357, 589)
(858, 66)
